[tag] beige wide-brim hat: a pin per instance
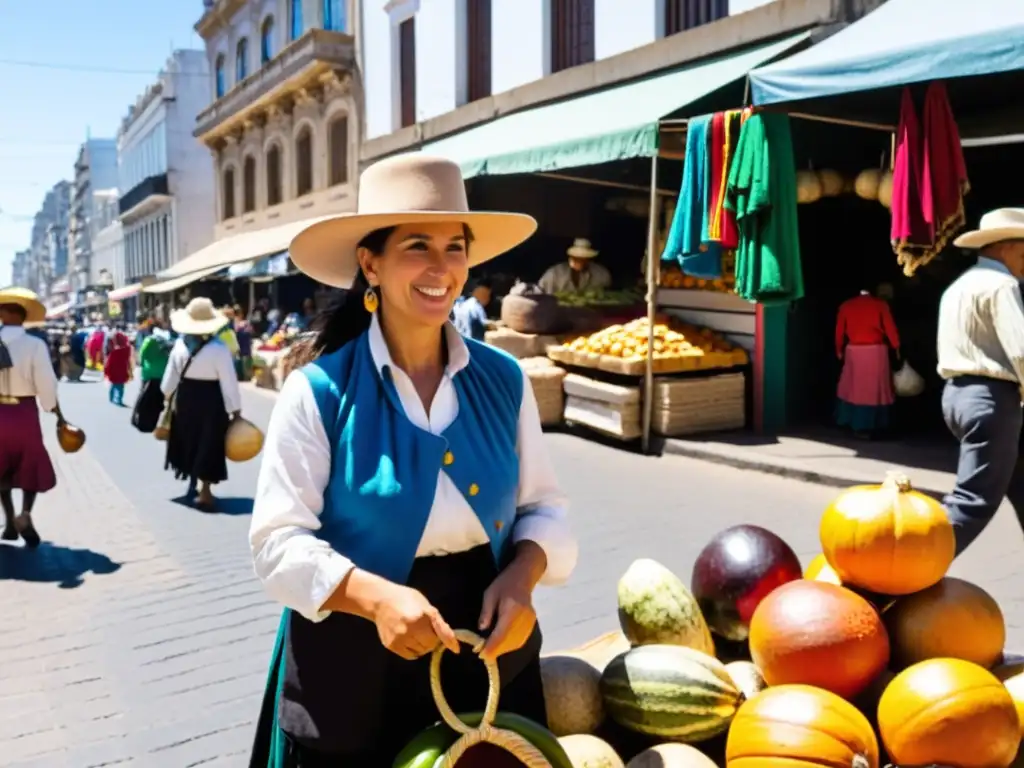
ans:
(199, 318)
(35, 310)
(407, 189)
(995, 226)
(581, 249)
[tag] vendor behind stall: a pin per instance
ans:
(580, 273)
(469, 315)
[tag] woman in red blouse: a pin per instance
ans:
(865, 331)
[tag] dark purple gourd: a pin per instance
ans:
(735, 571)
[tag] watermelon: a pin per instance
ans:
(670, 692)
(656, 608)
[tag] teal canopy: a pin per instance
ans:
(900, 43)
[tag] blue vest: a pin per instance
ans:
(384, 468)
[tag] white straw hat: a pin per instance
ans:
(406, 189)
(199, 318)
(581, 249)
(995, 226)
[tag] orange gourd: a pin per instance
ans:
(820, 570)
(797, 726)
(953, 619)
(1011, 675)
(819, 634)
(948, 712)
(887, 538)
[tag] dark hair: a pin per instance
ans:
(346, 318)
(15, 309)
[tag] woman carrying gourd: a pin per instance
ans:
(406, 489)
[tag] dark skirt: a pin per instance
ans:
(148, 406)
(199, 425)
(340, 698)
(24, 461)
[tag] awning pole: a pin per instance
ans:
(653, 261)
(603, 183)
(841, 121)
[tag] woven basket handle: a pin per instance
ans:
(469, 737)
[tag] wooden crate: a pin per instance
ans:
(520, 345)
(610, 409)
(706, 404)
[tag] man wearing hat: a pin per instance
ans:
(981, 357)
(26, 375)
(580, 273)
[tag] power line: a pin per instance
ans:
(92, 70)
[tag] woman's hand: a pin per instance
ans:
(408, 625)
(508, 602)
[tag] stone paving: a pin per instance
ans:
(138, 635)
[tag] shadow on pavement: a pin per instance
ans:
(63, 566)
(232, 506)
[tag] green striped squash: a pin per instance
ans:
(674, 693)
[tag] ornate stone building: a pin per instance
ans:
(283, 125)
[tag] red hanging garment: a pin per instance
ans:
(911, 233)
(943, 169)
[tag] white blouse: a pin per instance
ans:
(213, 363)
(302, 571)
(32, 374)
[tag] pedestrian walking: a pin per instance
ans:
(117, 367)
(981, 357)
(865, 332)
(200, 380)
(26, 377)
(153, 357)
(405, 489)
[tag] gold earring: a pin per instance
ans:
(370, 300)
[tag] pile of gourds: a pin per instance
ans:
(870, 184)
(871, 655)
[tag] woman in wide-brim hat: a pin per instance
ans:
(405, 488)
(28, 384)
(201, 387)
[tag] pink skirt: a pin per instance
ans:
(866, 378)
(24, 461)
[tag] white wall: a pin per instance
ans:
(520, 48)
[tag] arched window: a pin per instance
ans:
(273, 161)
(295, 25)
(304, 162)
(228, 193)
(242, 60)
(249, 185)
(219, 79)
(334, 15)
(267, 40)
(337, 139)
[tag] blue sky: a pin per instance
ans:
(49, 108)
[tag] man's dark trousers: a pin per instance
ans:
(984, 414)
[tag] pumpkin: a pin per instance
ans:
(798, 726)
(867, 183)
(819, 634)
(953, 619)
(587, 751)
(734, 572)
(243, 441)
(948, 712)
(820, 570)
(671, 756)
(888, 538)
(572, 695)
(831, 182)
(655, 607)
(1012, 676)
(747, 676)
(885, 189)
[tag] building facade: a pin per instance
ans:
(281, 121)
(20, 268)
(95, 170)
(45, 262)
(107, 263)
(165, 177)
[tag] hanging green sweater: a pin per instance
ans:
(762, 192)
(153, 357)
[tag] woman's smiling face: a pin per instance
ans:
(421, 272)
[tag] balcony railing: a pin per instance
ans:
(297, 66)
(154, 186)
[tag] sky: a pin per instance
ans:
(70, 69)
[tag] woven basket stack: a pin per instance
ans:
(546, 378)
(611, 409)
(520, 345)
(688, 406)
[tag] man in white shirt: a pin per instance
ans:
(981, 357)
(26, 377)
(578, 274)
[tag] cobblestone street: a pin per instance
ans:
(137, 633)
